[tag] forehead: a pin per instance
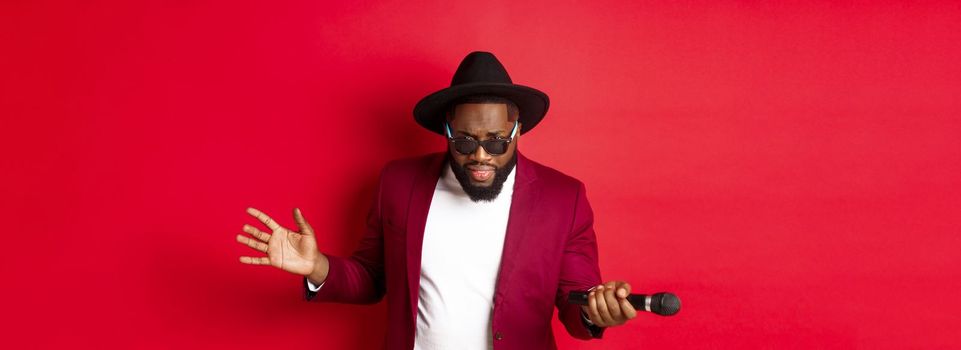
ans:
(480, 116)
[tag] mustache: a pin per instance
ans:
(482, 193)
(480, 165)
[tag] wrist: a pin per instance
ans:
(586, 318)
(321, 268)
(596, 331)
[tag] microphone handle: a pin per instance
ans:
(638, 301)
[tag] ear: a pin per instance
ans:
(447, 119)
(449, 113)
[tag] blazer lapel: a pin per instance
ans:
(421, 195)
(522, 205)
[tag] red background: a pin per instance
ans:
(791, 171)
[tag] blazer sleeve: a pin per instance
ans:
(579, 268)
(359, 278)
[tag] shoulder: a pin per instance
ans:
(554, 179)
(560, 195)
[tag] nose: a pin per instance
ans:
(480, 155)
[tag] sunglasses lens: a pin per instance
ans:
(465, 146)
(495, 147)
(492, 147)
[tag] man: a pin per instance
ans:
(473, 247)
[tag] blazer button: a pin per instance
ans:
(498, 336)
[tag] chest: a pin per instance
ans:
(461, 236)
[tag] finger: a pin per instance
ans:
(623, 290)
(302, 223)
(255, 260)
(259, 246)
(610, 285)
(602, 308)
(592, 309)
(253, 231)
(627, 309)
(271, 224)
(614, 308)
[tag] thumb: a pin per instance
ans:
(305, 228)
(624, 290)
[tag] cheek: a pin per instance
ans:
(458, 158)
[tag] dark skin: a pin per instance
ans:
(297, 253)
(482, 121)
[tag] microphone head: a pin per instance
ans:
(665, 304)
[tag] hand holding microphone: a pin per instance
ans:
(612, 303)
(664, 304)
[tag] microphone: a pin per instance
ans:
(664, 304)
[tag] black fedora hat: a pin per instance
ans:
(481, 73)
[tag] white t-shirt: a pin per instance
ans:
(463, 243)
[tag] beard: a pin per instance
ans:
(482, 193)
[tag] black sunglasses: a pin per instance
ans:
(466, 145)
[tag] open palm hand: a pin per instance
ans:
(294, 252)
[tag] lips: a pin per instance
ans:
(481, 173)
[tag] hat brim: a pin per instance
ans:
(532, 103)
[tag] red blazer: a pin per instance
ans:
(549, 250)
